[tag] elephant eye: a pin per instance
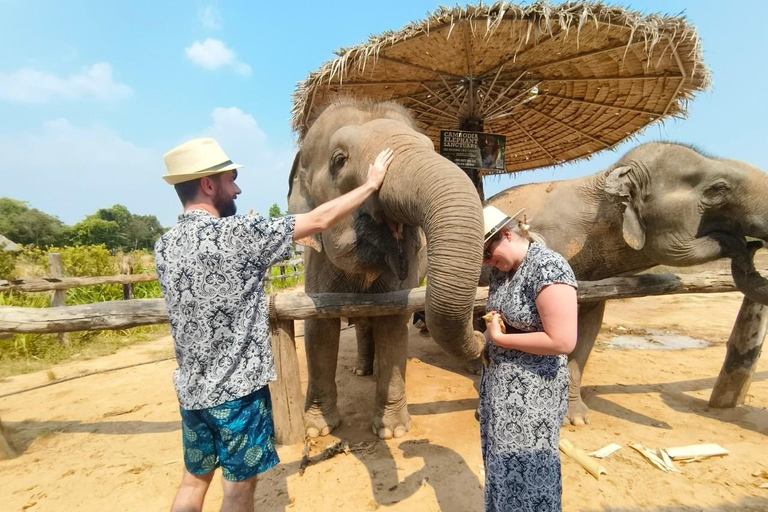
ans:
(714, 192)
(717, 187)
(338, 160)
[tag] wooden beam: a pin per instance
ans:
(44, 284)
(298, 305)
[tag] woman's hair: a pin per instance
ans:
(523, 229)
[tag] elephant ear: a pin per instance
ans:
(299, 200)
(620, 187)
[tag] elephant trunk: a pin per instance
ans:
(747, 279)
(754, 223)
(424, 189)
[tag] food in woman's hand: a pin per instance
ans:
(488, 318)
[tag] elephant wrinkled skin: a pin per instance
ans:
(375, 249)
(660, 204)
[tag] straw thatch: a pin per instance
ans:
(561, 82)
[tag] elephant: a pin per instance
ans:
(661, 204)
(376, 249)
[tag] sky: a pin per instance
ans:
(93, 93)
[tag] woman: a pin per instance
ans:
(524, 388)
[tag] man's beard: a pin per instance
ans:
(224, 205)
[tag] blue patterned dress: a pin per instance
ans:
(523, 397)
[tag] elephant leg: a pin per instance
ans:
(365, 353)
(391, 418)
(590, 320)
(321, 341)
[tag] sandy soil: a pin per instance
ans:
(111, 441)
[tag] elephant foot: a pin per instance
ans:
(578, 413)
(474, 366)
(392, 424)
(317, 423)
(364, 367)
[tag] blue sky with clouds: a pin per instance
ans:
(92, 93)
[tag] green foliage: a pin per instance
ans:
(31, 352)
(274, 211)
(278, 283)
(115, 227)
(92, 231)
(7, 264)
(25, 225)
(87, 260)
(132, 231)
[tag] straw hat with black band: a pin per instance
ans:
(196, 159)
(494, 220)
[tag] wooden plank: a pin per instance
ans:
(44, 284)
(297, 305)
(743, 352)
(86, 317)
(287, 400)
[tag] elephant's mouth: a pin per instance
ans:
(384, 245)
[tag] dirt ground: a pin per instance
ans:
(111, 441)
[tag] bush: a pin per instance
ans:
(7, 264)
(30, 352)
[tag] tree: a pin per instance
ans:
(274, 211)
(143, 231)
(94, 231)
(25, 225)
(133, 231)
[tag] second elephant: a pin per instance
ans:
(660, 204)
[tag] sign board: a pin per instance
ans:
(473, 150)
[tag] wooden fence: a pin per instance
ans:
(743, 347)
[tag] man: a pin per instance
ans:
(211, 267)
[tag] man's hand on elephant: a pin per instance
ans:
(378, 169)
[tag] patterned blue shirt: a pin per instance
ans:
(211, 272)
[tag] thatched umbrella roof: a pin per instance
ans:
(561, 82)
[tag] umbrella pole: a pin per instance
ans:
(473, 124)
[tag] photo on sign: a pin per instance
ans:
(473, 150)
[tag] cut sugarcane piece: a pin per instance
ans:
(651, 457)
(580, 456)
(667, 461)
(696, 451)
(605, 451)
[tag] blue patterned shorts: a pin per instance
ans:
(238, 435)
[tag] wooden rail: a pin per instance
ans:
(743, 347)
(297, 305)
(44, 284)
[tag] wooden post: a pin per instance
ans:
(6, 450)
(474, 124)
(744, 346)
(125, 269)
(287, 399)
(58, 297)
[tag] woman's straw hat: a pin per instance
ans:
(195, 159)
(495, 219)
